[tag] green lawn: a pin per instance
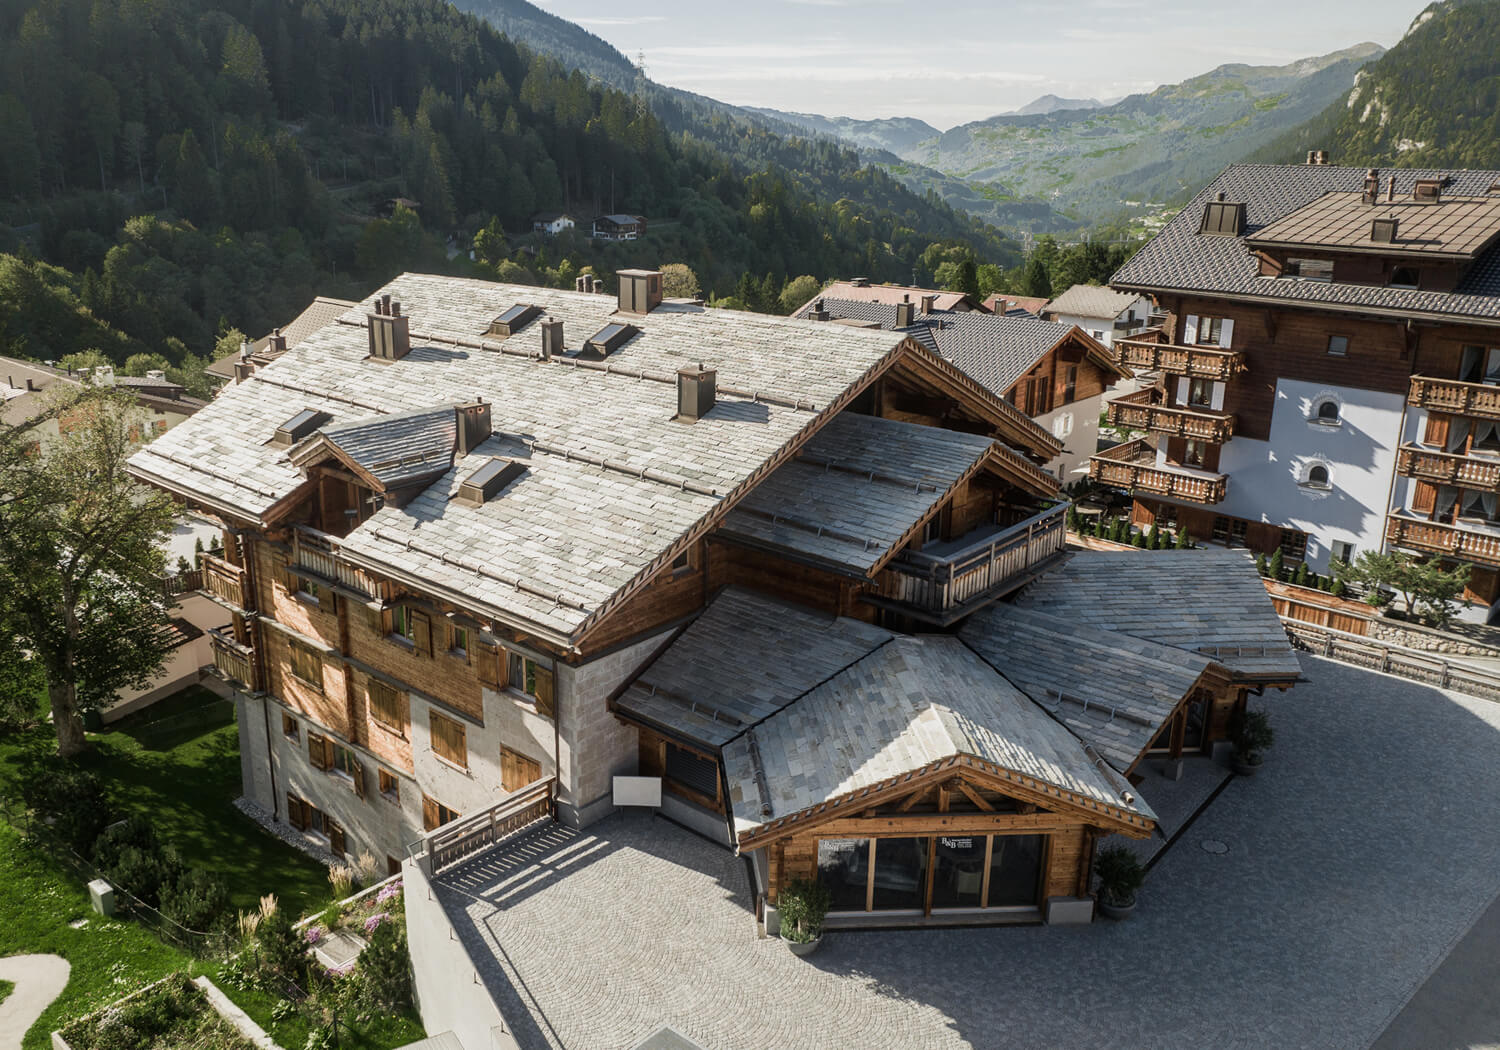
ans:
(6, 987)
(178, 763)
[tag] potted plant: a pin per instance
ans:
(1120, 875)
(1250, 742)
(803, 904)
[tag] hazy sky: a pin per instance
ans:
(952, 61)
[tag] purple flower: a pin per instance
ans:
(373, 922)
(389, 892)
(314, 934)
(335, 972)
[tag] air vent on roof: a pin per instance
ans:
(610, 338)
(514, 319)
(640, 290)
(1427, 191)
(1317, 157)
(1223, 218)
(1383, 231)
(695, 391)
(486, 482)
(299, 426)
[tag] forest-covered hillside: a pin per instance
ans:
(1432, 101)
(175, 169)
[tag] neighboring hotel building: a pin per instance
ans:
(1103, 313)
(1329, 367)
(489, 544)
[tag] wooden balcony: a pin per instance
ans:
(461, 839)
(1447, 468)
(227, 582)
(1197, 362)
(1479, 400)
(318, 553)
(943, 586)
(1435, 537)
(1132, 467)
(1136, 412)
(233, 660)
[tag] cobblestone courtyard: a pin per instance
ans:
(1356, 858)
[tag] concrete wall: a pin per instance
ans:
(509, 721)
(1267, 478)
(1076, 425)
(450, 996)
(595, 744)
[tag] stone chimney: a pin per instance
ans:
(277, 343)
(905, 315)
(552, 338)
(390, 331)
(1372, 187)
(474, 426)
(818, 311)
(696, 387)
(928, 303)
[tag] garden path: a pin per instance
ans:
(39, 979)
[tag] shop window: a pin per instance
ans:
(843, 866)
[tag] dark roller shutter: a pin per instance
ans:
(693, 771)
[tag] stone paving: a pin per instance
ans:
(1356, 858)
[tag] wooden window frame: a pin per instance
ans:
(1344, 352)
(458, 642)
(319, 751)
(299, 653)
(543, 680)
(432, 813)
(402, 629)
(437, 732)
(390, 786)
(290, 727)
(375, 687)
(343, 764)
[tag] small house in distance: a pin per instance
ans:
(1101, 312)
(619, 227)
(551, 223)
(1016, 305)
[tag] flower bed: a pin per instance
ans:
(172, 1014)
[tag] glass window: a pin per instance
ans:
(460, 646)
(289, 727)
(844, 867)
(307, 589)
(523, 674)
(1201, 393)
(900, 874)
(1317, 476)
(401, 624)
(1328, 412)
(1209, 330)
(1015, 870)
(390, 786)
(1194, 453)
(1405, 277)
(344, 761)
(1343, 551)
(958, 880)
(1338, 345)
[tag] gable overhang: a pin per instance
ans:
(1065, 807)
(232, 515)
(1366, 312)
(1095, 352)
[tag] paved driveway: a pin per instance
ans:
(1357, 857)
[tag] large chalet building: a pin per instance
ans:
(1329, 368)
(492, 545)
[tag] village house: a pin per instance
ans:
(488, 547)
(25, 383)
(233, 367)
(619, 227)
(1327, 371)
(1103, 313)
(1016, 304)
(860, 290)
(1055, 373)
(551, 223)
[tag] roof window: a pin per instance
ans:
(1222, 218)
(1383, 231)
(299, 426)
(488, 481)
(514, 319)
(610, 338)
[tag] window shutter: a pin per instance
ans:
(1437, 430)
(315, 751)
(359, 778)
(489, 665)
(295, 813)
(544, 702)
(1226, 332)
(1190, 329)
(336, 841)
(421, 631)
(1423, 497)
(429, 813)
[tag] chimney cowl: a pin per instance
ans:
(928, 303)
(905, 314)
(389, 331)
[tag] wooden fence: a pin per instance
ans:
(1398, 660)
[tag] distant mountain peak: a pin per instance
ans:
(1054, 103)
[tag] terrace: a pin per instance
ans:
(1196, 362)
(1138, 411)
(1447, 468)
(1133, 467)
(1481, 400)
(1474, 543)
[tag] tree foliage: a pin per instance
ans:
(1424, 586)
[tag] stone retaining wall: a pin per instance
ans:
(1427, 639)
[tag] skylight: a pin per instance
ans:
(514, 319)
(299, 426)
(611, 337)
(488, 480)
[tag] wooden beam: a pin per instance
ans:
(912, 799)
(918, 825)
(975, 797)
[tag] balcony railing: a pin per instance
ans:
(1448, 468)
(233, 660)
(1435, 537)
(226, 581)
(181, 583)
(318, 553)
(943, 588)
(1197, 362)
(1132, 466)
(465, 837)
(1136, 412)
(1449, 395)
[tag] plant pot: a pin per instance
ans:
(800, 948)
(1118, 912)
(1245, 768)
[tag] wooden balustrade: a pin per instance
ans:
(1480, 400)
(1199, 362)
(1136, 412)
(1436, 537)
(944, 588)
(1132, 467)
(459, 840)
(1376, 655)
(318, 553)
(181, 583)
(1447, 468)
(227, 581)
(235, 661)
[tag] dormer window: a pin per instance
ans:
(1405, 277)
(488, 481)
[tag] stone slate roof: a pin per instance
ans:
(742, 660)
(912, 702)
(856, 489)
(320, 312)
(1452, 226)
(1210, 602)
(401, 448)
(1089, 300)
(993, 349)
(888, 294)
(1180, 259)
(1112, 690)
(615, 484)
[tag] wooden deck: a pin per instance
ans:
(1435, 537)
(466, 837)
(1197, 362)
(1132, 467)
(1447, 468)
(1136, 412)
(1450, 395)
(227, 582)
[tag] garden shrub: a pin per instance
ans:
(282, 949)
(68, 798)
(172, 1016)
(385, 966)
(198, 900)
